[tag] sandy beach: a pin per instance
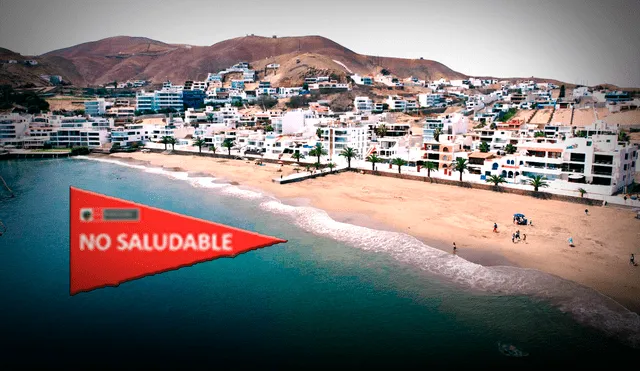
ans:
(440, 215)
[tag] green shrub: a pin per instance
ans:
(76, 151)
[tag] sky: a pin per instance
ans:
(576, 41)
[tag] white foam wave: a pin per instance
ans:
(241, 193)
(587, 306)
(206, 182)
(121, 163)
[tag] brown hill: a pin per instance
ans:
(21, 75)
(122, 58)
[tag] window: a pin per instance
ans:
(626, 156)
(589, 143)
(521, 162)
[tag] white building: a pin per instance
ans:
(336, 138)
(431, 100)
(362, 80)
(363, 104)
(396, 103)
(96, 107)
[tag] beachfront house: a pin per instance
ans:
(336, 138)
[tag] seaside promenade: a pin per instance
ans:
(385, 169)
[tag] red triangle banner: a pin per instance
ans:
(113, 241)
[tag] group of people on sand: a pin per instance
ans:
(516, 236)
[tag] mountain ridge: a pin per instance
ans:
(122, 58)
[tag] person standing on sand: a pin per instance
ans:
(524, 237)
(632, 260)
(454, 248)
(586, 212)
(571, 242)
(495, 227)
(513, 238)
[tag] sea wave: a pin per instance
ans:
(587, 306)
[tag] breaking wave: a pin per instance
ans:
(585, 305)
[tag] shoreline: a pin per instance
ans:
(424, 211)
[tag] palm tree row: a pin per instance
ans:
(168, 140)
(460, 164)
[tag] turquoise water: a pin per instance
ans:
(333, 295)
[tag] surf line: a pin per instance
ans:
(158, 242)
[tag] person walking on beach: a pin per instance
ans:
(513, 238)
(518, 235)
(524, 237)
(632, 260)
(495, 227)
(586, 212)
(571, 242)
(454, 248)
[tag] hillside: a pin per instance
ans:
(19, 74)
(122, 58)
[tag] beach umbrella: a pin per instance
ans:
(519, 215)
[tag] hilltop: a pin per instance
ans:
(124, 58)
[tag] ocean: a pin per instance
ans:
(334, 295)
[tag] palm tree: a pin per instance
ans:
(307, 168)
(349, 153)
(268, 128)
(374, 159)
(510, 149)
(165, 141)
(623, 137)
(436, 134)
(319, 133)
(228, 144)
(582, 191)
(199, 142)
(381, 130)
(484, 147)
(297, 156)
(318, 151)
(399, 162)
(317, 165)
(496, 180)
(173, 142)
(537, 182)
(331, 165)
(460, 165)
(430, 166)
(213, 148)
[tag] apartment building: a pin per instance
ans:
(97, 107)
(362, 104)
(431, 100)
(338, 137)
(167, 98)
